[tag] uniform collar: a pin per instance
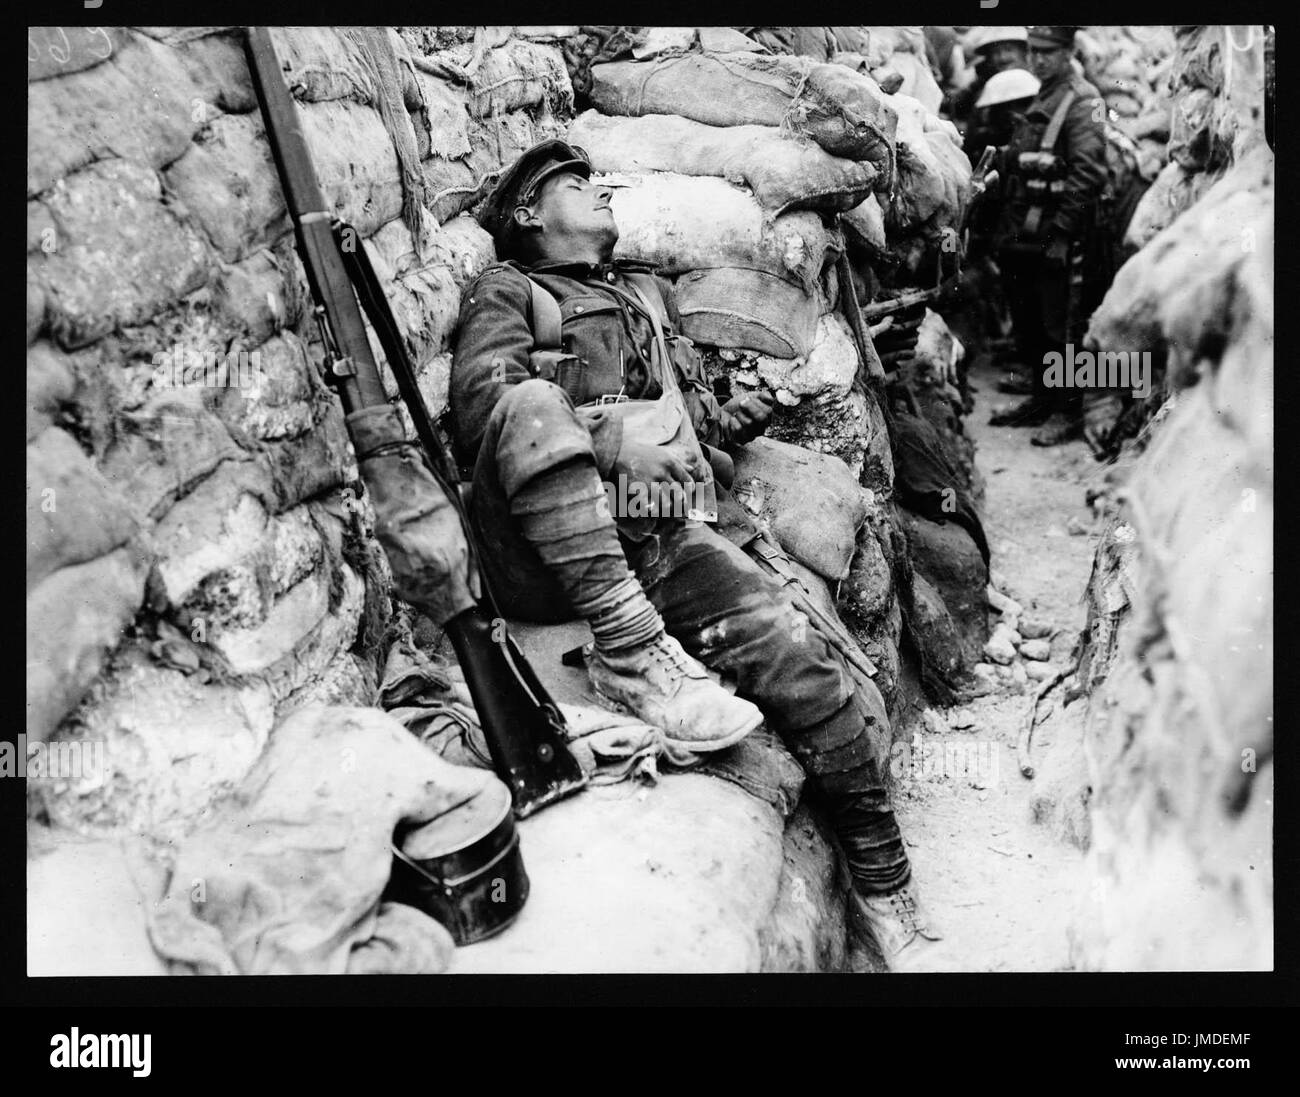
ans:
(603, 272)
(1048, 92)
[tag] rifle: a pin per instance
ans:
(421, 521)
(878, 310)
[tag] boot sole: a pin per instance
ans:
(698, 746)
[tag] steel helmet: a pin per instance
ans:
(980, 38)
(1003, 87)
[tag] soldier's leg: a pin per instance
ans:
(733, 617)
(551, 551)
(1053, 291)
(1021, 272)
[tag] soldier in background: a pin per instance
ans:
(996, 49)
(1055, 170)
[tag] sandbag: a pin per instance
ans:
(1174, 190)
(843, 111)
(725, 40)
(825, 376)
(50, 385)
(424, 296)
(812, 502)
(448, 108)
(73, 514)
(864, 224)
(122, 253)
(141, 105)
(1157, 295)
(918, 80)
(74, 618)
(455, 185)
(322, 64)
(933, 172)
(887, 43)
(685, 223)
(515, 75)
(58, 51)
(748, 309)
(228, 183)
(784, 174)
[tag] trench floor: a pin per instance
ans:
(1003, 886)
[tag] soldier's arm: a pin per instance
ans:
(1086, 174)
(493, 342)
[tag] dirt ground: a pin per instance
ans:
(1002, 885)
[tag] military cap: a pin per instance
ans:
(1052, 37)
(519, 183)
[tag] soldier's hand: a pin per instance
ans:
(648, 464)
(744, 418)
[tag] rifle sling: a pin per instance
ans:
(375, 304)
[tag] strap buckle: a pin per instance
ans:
(619, 398)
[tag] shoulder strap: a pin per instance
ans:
(545, 317)
(1053, 130)
(669, 378)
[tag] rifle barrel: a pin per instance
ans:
(311, 219)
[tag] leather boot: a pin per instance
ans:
(1057, 430)
(1014, 384)
(659, 683)
(1027, 413)
(900, 928)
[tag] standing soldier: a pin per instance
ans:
(996, 49)
(1055, 170)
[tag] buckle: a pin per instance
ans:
(620, 398)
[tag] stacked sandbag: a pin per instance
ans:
(901, 51)
(196, 564)
(1179, 738)
(743, 218)
(838, 534)
(1131, 66)
(745, 178)
(489, 99)
(1214, 110)
(782, 174)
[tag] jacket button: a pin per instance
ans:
(609, 277)
(577, 308)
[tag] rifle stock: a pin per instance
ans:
(421, 523)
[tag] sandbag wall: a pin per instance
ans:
(196, 564)
(1131, 67)
(746, 174)
(1212, 107)
(1179, 649)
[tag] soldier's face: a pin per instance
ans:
(569, 206)
(1046, 63)
(1006, 55)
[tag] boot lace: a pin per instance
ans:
(904, 906)
(673, 658)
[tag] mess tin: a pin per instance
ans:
(464, 869)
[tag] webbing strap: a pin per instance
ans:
(546, 318)
(1053, 130)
